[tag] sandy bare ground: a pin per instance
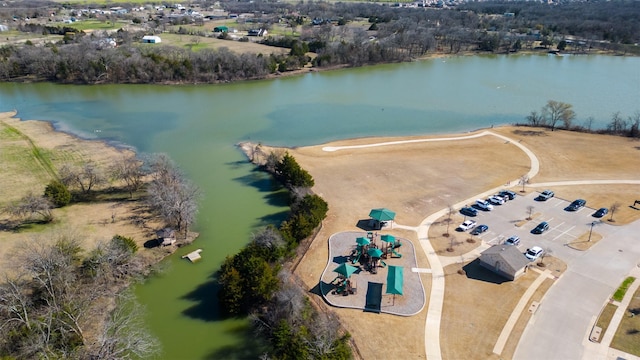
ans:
(418, 179)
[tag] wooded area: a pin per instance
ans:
(394, 34)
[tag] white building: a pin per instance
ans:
(151, 39)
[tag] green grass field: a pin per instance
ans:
(622, 290)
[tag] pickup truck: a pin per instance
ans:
(467, 225)
(546, 195)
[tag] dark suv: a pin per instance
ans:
(576, 205)
(542, 227)
(508, 194)
(469, 211)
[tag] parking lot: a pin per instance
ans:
(508, 220)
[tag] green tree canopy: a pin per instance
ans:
(57, 193)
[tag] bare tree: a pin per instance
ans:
(125, 335)
(448, 220)
(85, 177)
(556, 111)
(530, 209)
(612, 209)
(452, 242)
(535, 119)
(617, 125)
(524, 180)
(172, 195)
(269, 237)
(129, 169)
(589, 122)
(32, 205)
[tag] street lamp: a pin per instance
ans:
(591, 230)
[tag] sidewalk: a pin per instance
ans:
(622, 309)
(602, 350)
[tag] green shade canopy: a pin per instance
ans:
(373, 252)
(388, 238)
(395, 279)
(362, 241)
(382, 214)
(345, 270)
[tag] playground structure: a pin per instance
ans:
(392, 246)
(368, 254)
(371, 287)
(343, 286)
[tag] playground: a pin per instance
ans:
(372, 272)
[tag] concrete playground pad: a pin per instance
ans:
(371, 289)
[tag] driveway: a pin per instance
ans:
(564, 319)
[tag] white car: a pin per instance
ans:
(496, 200)
(467, 225)
(484, 205)
(533, 253)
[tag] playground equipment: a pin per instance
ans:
(343, 286)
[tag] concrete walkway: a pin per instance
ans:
(602, 349)
(517, 311)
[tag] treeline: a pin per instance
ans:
(557, 114)
(394, 34)
(59, 303)
(255, 282)
(88, 61)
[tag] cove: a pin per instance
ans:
(198, 127)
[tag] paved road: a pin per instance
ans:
(564, 319)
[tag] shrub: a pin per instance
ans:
(57, 193)
(125, 243)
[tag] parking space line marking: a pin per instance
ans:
(558, 203)
(564, 233)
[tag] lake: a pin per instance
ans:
(198, 126)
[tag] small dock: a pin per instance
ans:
(193, 256)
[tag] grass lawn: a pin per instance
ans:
(605, 318)
(627, 337)
(619, 294)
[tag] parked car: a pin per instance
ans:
(546, 195)
(514, 240)
(533, 253)
(508, 194)
(496, 200)
(576, 205)
(600, 212)
(469, 211)
(467, 225)
(484, 205)
(542, 227)
(479, 229)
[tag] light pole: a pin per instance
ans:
(591, 230)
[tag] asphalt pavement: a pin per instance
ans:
(561, 326)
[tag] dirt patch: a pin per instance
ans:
(585, 241)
